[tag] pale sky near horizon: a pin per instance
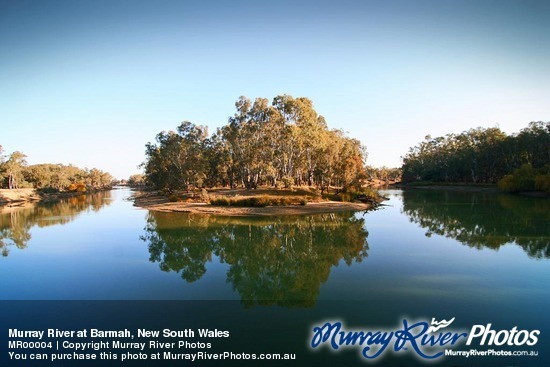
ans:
(90, 82)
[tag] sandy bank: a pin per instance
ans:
(161, 204)
(18, 196)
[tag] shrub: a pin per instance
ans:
(76, 187)
(542, 183)
(522, 179)
(284, 201)
(204, 195)
(288, 182)
(258, 201)
(507, 184)
(173, 198)
(221, 201)
(50, 190)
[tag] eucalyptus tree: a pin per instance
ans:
(262, 143)
(178, 158)
(2, 169)
(13, 169)
(477, 155)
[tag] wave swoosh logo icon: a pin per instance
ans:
(439, 325)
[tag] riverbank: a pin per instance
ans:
(155, 202)
(17, 197)
(488, 188)
(450, 187)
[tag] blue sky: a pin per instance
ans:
(90, 82)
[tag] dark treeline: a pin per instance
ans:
(284, 143)
(15, 173)
(479, 155)
(383, 173)
(278, 260)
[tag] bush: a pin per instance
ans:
(76, 187)
(284, 201)
(221, 201)
(51, 190)
(363, 195)
(542, 183)
(347, 197)
(288, 182)
(507, 184)
(173, 198)
(258, 201)
(523, 179)
(332, 197)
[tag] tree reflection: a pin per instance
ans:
(17, 221)
(281, 260)
(482, 220)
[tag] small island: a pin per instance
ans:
(260, 202)
(277, 158)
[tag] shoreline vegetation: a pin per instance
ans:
(454, 186)
(257, 202)
(516, 163)
(284, 155)
(21, 182)
(277, 158)
(20, 197)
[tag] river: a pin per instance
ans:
(478, 257)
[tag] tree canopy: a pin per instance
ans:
(16, 173)
(477, 155)
(283, 143)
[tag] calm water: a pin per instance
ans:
(478, 257)
(423, 244)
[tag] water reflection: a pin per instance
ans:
(16, 221)
(280, 261)
(482, 220)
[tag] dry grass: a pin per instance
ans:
(258, 201)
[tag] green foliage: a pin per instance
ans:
(287, 182)
(369, 194)
(262, 144)
(365, 195)
(15, 173)
(136, 180)
(383, 173)
(542, 183)
(478, 155)
(178, 160)
(261, 201)
(12, 171)
(258, 201)
(525, 178)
